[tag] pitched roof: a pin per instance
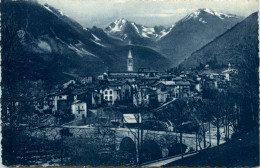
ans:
(182, 83)
(78, 101)
(168, 83)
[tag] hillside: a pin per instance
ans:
(232, 46)
(41, 42)
(239, 152)
(194, 31)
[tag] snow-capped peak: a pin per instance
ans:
(121, 20)
(117, 25)
(120, 28)
(198, 14)
(210, 11)
(218, 14)
(164, 32)
(121, 24)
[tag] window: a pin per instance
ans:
(105, 92)
(82, 107)
(60, 97)
(106, 97)
(110, 97)
(111, 92)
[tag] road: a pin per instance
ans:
(166, 161)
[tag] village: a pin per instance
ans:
(135, 84)
(87, 97)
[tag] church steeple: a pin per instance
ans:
(130, 67)
(130, 54)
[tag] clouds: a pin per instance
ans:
(166, 13)
(178, 11)
(172, 12)
(149, 12)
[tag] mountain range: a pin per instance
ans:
(233, 46)
(131, 32)
(41, 42)
(193, 32)
(181, 39)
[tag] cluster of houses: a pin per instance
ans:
(145, 87)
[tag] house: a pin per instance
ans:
(62, 101)
(167, 90)
(144, 93)
(49, 102)
(79, 109)
(86, 80)
(91, 96)
(126, 92)
(145, 97)
(103, 76)
(58, 101)
(182, 89)
(111, 95)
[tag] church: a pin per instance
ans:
(130, 63)
(130, 74)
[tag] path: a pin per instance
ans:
(160, 163)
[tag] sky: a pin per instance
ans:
(101, 13)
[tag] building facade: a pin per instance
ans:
(79, 109)
(111, 95)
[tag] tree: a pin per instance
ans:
(178, 113)
(201, 115)
(246, 86)
(17, 109)
(214, 104)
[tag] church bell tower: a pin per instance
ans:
(130, 67)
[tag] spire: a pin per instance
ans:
(130, 62)
(130, 54)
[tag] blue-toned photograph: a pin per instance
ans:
(134, 83)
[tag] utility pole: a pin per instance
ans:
(138, 141)
(181, 141)
(196, 140)
(139, 131)
(209, 135)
